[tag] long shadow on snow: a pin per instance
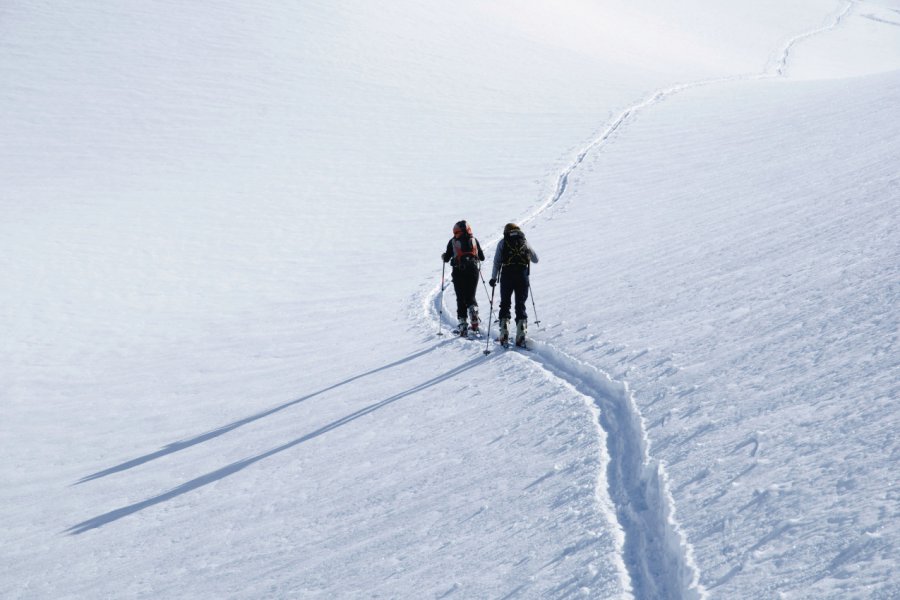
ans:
(115, 515)
(209, 435)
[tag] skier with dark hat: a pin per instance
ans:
(512, 262)
(464, 254)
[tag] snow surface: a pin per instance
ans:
(221, 225)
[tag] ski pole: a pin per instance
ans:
(531, 293)
(483, 284)
(487, 342)
(441, 299)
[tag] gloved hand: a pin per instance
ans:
(444, 257)
(492, 282)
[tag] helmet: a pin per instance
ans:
(510, 227)
(461, 226)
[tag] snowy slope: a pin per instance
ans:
(220, 236)
(747, 291)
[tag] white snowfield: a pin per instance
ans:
(220, 374)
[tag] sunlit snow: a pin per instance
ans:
(221, 292)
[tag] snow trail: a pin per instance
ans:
(781, 63)
(659, 560)
(657, 555)
(778, 70)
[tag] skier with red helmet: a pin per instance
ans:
(465, 255)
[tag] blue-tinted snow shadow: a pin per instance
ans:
(209, 435)
(203, 480)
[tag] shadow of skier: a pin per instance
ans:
(209, 435)
(203, 480)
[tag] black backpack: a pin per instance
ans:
(515, 249)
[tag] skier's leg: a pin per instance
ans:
(459, 286)
(468, 284)
(506, 291)
(521, 331)
(471, 302)
(504, 331)
(471, 286)
(521, 313)
(521, 287)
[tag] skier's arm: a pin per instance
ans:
(449, 253)
(497, 260)
(534, 256)
(480, 251)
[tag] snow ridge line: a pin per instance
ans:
(638, 484)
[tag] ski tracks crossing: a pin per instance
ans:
(656, 554)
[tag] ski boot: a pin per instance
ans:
(504, 332)
(462, 330)
(473, 318)
(521, 331)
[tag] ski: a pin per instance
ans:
(471, 335)
(511, 346)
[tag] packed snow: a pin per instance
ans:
(221, 374)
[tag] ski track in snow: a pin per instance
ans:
(657, 556)
(878, 19)
(781, 65)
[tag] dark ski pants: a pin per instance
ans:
(465, 284)
(513, 279)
